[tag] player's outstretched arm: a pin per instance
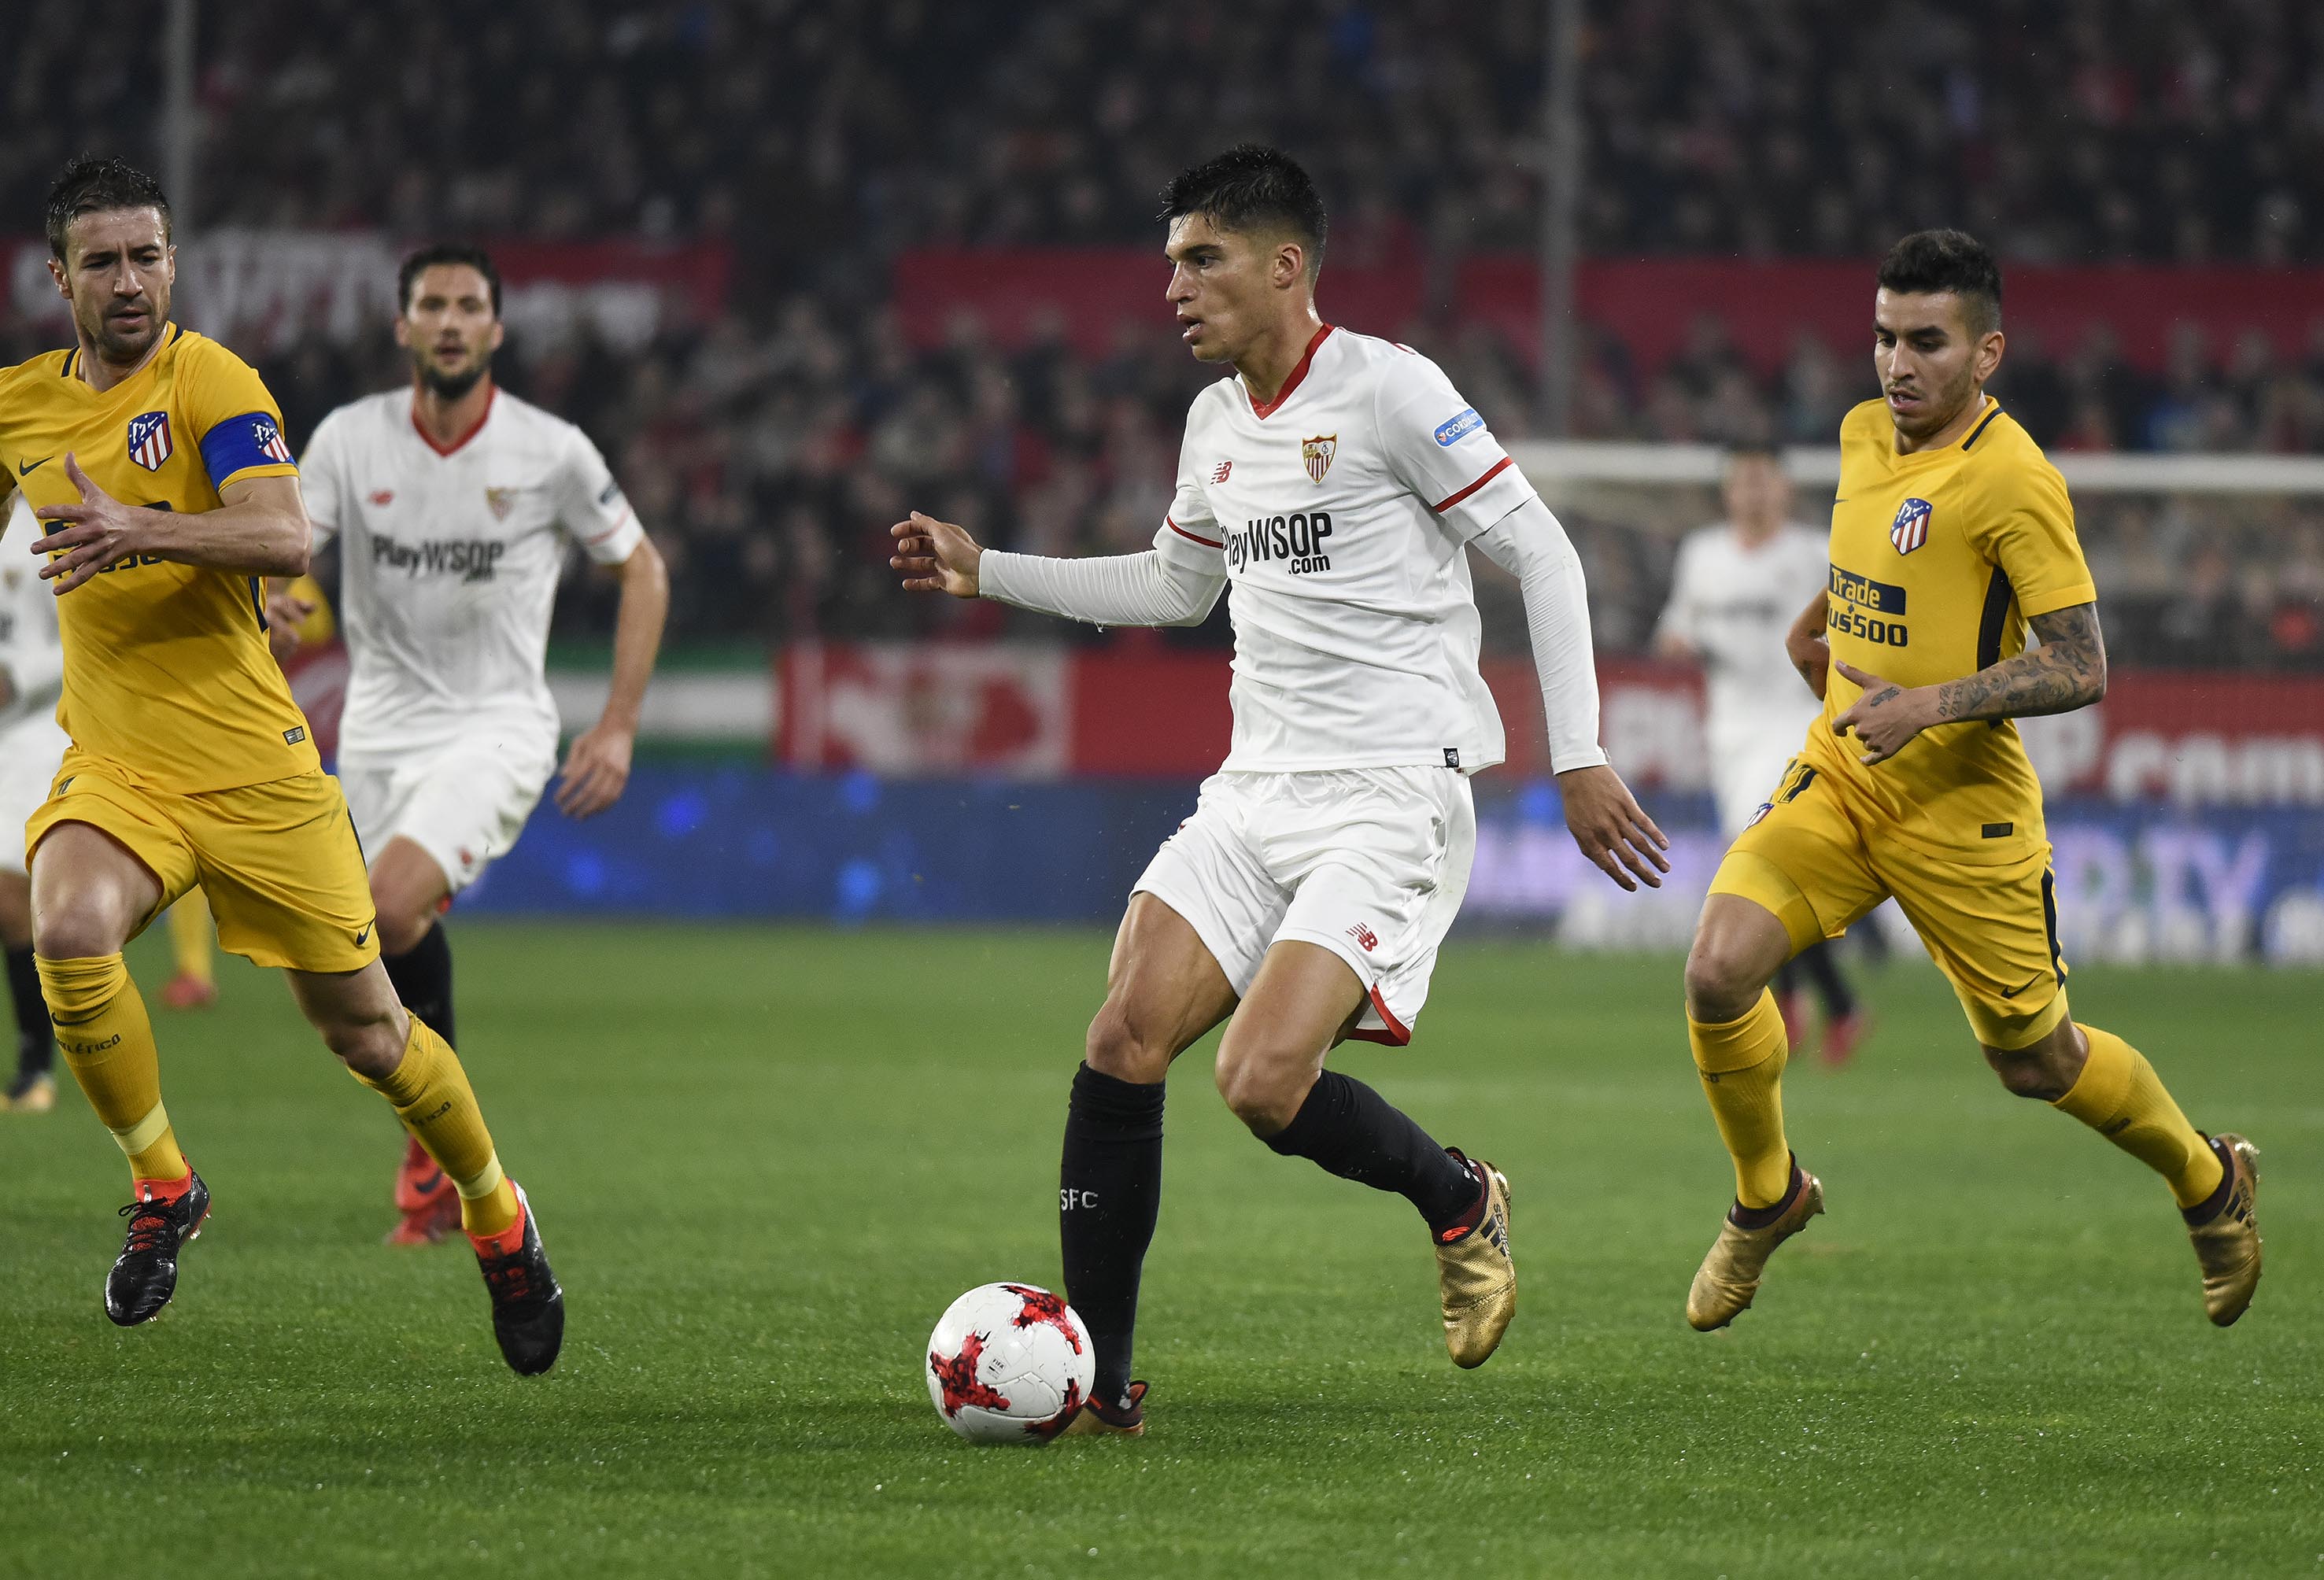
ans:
(1149, 589)
(936, 557)
(260, 529)
(2066, 672)
(597, 768)
(1605, 820)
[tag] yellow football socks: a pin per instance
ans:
(1741, 1062)
(105, 1038)
(190, 938)
(2119, 1095)
(431, 1096)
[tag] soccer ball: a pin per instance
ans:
(1009, 1363)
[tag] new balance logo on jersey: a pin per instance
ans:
(1297, 539)
(471, 560)
(1225, 469)
(1364, 936)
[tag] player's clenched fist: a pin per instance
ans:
(935, 556)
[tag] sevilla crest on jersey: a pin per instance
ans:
(149, 439)
(1910, 527)
(1317, 454)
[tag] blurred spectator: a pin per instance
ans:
(769, 452)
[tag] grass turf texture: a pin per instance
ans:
(765, 1161)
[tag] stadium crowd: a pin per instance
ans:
(769, 450)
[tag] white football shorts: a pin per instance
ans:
(464, 803)
(1369, 863)
(1749, 756)
(31, 750)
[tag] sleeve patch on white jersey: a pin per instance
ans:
(1454, 430)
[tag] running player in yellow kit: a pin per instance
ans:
(156, 459)
(1951, 535)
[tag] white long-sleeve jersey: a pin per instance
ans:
(32, 654)
(1336, 517)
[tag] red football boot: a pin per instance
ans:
(429, 1204)
(1842, 1037)
(188, 991)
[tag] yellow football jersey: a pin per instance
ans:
(1939, 559)
(168, 679)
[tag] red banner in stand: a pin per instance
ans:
(1139, 708)
(1095, 296)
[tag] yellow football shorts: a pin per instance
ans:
(1993, 931)
(279, 861)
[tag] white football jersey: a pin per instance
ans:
(31, 651)
(449, 560)
(1734, 604)
(1340, 513)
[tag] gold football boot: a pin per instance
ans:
(1127, 1420)
(1477, 1281)
(1729, 1275)
(2227, 1246)
(29, 1094)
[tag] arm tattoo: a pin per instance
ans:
(2067, 670)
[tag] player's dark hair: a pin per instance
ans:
(445, 252)
(1932, 261)
(90, 185)
(1252, 187)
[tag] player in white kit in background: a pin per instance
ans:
(452, 505)
(31, 745)
(1734, 591)
(1330, 488)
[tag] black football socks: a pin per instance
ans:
(1821, 964)
(36, 1043)
(1109, 1193)
(422, 975)
(1350, 1130)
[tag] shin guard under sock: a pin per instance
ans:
(1109, 1195)
(1741, 1063)
(2119, 1095)
(108, 1044)
(1348, 1129)
(430, 1092)
(422, 975)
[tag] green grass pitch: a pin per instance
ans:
(765, 1159)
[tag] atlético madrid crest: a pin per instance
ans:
(1910, 527)
(149, 439)
(1318, 452)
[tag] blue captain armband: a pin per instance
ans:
(240, 443)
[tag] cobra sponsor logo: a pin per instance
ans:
(1295, 539)
(470, 559)
(1454, 430)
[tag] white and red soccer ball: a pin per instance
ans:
(1010, 1363)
